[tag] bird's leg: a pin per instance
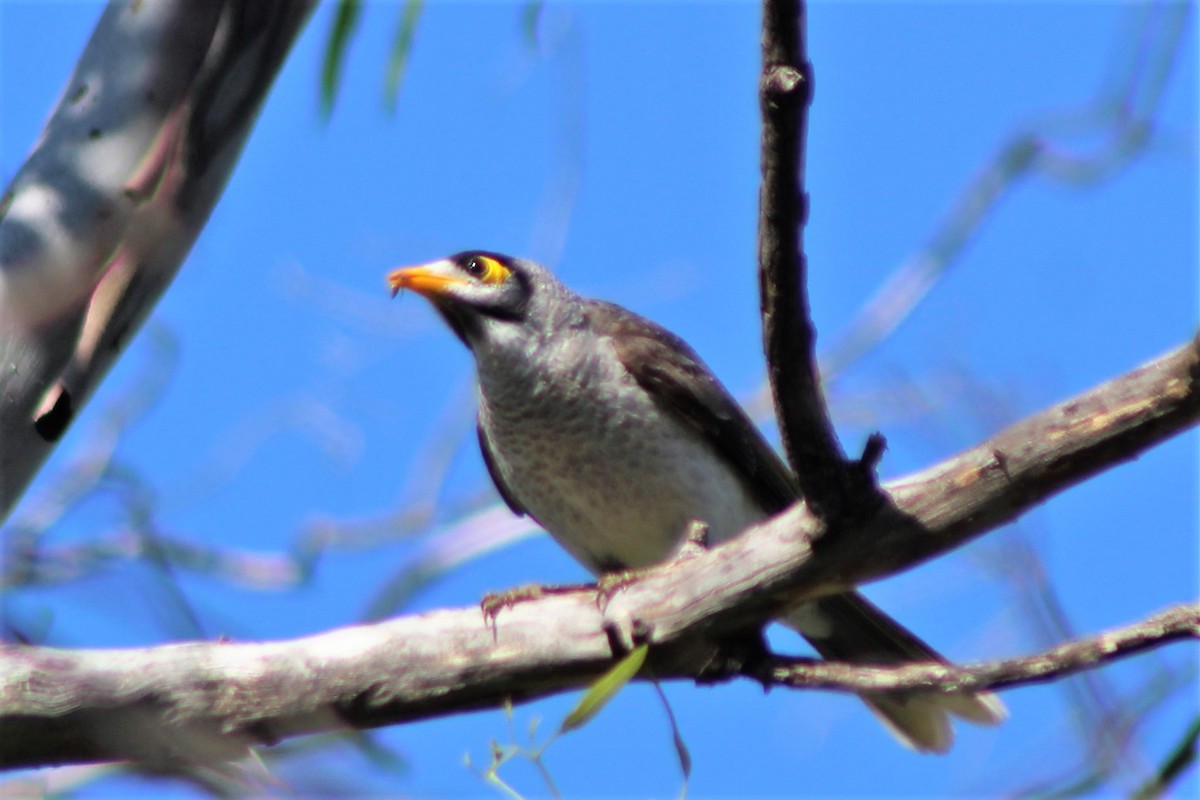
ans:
(495, 602)
(695, 542)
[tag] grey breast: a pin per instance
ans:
(612, 476)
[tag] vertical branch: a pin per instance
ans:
(789, 339)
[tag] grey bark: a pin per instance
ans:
(126, 172)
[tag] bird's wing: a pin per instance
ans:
(679, 381)
(489, 461)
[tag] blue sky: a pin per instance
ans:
(623, 152)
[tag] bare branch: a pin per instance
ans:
(1174, 624)
(199, 702)
(789, 558)
(789, 339)
(203, 702)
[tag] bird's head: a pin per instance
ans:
(484, 296)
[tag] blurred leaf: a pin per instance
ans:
(401, 46)
(681, 748)
(345, 20)
(530, 15)
(1182, 757)
(605, 689)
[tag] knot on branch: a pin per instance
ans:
(786, 81)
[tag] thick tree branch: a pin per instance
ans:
(196, 702)
(107, 206)
(790, 557)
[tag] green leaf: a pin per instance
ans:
(345, 21)
(401, 46)
(605, 689)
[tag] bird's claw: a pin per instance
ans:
(495, 602)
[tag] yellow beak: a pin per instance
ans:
(427, 280)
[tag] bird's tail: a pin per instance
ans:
(848, 627)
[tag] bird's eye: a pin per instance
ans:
(486, 269)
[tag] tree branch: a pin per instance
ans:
(789, 339)
(795, 556)
(101, 216)
(1174, 624)
(196, 702)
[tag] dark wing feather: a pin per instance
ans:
(664, 365)
(489, 461)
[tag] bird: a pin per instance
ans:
(612, 434)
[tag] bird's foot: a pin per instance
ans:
(695, 542)
(610, 583)
(495, 602)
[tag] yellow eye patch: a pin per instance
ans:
(486, 269)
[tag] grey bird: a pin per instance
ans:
(612, 434)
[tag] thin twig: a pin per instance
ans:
(1174, 624)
